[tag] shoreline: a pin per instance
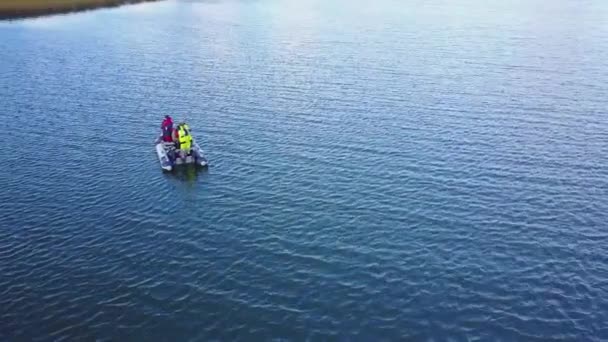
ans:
(23, 9)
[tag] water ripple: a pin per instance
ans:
(425, 172)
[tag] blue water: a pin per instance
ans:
(383, 170)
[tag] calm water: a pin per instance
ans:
(409, 169)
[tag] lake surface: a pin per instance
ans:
(416, 170)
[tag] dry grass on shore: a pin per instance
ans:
(25, 8)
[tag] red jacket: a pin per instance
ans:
(166, 122)
(167, 128)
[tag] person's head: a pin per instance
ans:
(167, 117)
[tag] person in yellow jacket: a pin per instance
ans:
(183, 138)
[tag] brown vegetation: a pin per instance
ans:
(13, 9)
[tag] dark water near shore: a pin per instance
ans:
(407, 169)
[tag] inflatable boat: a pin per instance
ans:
(169, 157)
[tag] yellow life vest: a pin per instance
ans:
(185, 139)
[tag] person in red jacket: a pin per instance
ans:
(167, 129)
